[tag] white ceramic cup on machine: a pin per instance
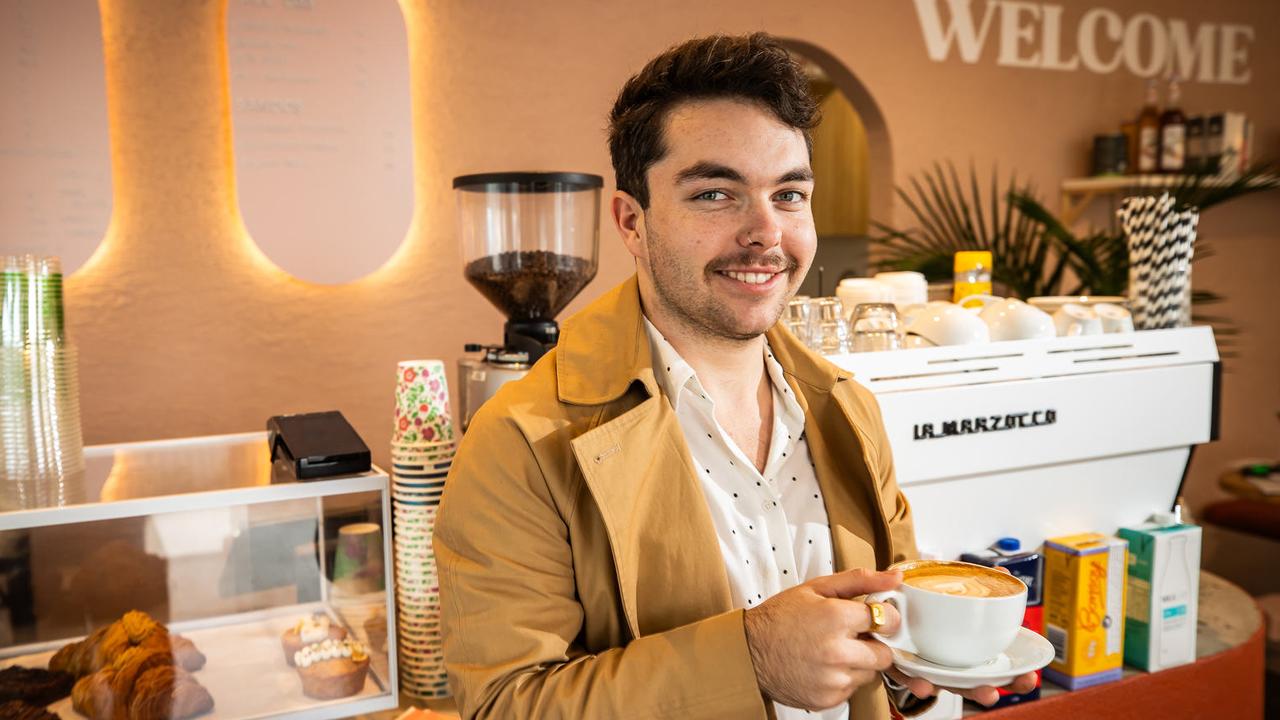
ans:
(857, 291)
(954, 613)
(1072, 320)
(1013, 319)
(942, 323)
(1115, 319)
(908, 288)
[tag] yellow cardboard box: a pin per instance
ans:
(1084, 595)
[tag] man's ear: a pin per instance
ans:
(628, 218)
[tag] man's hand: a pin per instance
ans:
(808, 643)
(984, 695)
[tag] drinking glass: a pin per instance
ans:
(833, 329)
(875, 327)
(799, 319)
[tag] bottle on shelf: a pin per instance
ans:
(1129, 129)
(1149, 131)
(1173, 132)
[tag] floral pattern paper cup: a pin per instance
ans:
(422, 403)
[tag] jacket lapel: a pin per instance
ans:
(665, 550)
(638, 470)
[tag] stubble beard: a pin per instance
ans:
(682, 294)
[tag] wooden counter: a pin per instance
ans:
(1225, 681)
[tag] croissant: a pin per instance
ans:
(142, 684)
(130, 666)
(91, 696)
(106, 644)
(75, 659)
(168, 693)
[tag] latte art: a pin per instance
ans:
(978, 584)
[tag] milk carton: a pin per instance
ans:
(1164, 585)
(1028, 567)
(1084, 589)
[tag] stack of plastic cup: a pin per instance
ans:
(41, 447)
(422, 448)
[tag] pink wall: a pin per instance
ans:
(185, 328)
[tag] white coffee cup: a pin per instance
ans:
(856, 291)
(1115, 319)
(1072, 320)
(1012, 319)
(943, 323)
(909, 288)
(959, 631)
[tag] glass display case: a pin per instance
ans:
(191, 586)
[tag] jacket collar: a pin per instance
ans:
(603, 349)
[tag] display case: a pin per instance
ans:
(194, 534)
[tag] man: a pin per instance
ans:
(676, 512)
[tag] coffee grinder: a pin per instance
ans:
(530, 244)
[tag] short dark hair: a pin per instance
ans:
(752, 67)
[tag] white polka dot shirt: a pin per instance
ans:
(772, 526)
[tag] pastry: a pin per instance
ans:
(135, 629)
(19, 710)
(309, 631)
(168, 693)
(34, 685)
(133, 664)
(332, 669)
(92, 696)
(142, 684)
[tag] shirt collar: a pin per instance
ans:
(674, 376)
(670, 370)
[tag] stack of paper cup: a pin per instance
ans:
(422, 448)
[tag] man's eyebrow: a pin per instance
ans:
(802, 174)
(705, 170)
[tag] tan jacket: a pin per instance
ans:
(580, 573)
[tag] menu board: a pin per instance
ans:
(322, 132)
(55, 161)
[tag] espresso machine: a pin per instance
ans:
(530, 244)
(1039, 438)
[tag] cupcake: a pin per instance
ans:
(308, 631)
(332, 669)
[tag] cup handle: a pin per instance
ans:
(901, 639)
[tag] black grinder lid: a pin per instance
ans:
(527, 182)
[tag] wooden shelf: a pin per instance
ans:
(1077, 194)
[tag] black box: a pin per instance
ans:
(315, 445)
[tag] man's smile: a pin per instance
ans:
(755, 280)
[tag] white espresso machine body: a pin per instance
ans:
(1037, 438)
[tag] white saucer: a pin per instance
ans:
(1028, 652)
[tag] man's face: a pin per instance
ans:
(728, 235)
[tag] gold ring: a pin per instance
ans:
(877, 616)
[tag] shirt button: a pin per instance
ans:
(766, 505)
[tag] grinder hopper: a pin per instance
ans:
(530, 244)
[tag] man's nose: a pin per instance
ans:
(761, 227)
